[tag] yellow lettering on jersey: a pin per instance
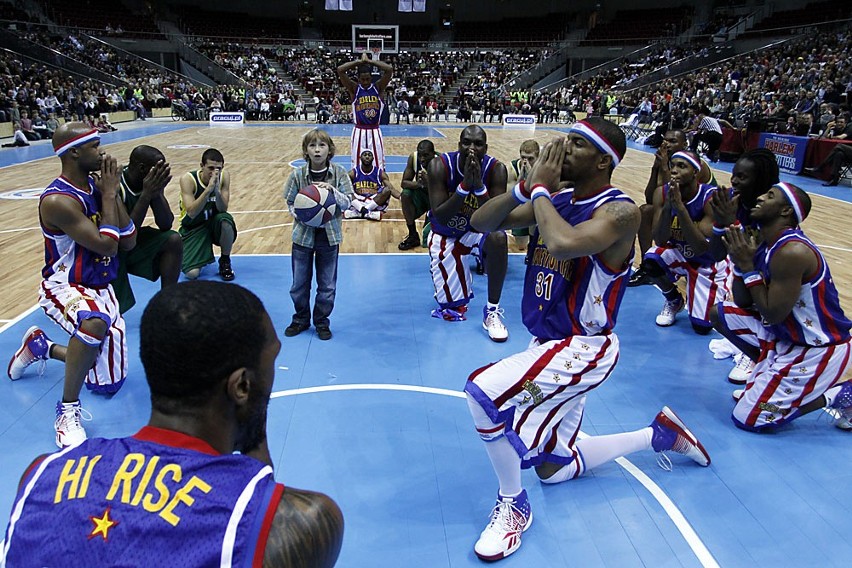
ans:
(148, 502)
(84, 487)
(123, 478)
(182, 495)
(368, 99)
(146, 478)
(71, 475)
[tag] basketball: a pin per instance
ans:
(314, 206)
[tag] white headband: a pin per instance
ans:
(78, 141)
(795, 203)
(693, 161)
(585, 130)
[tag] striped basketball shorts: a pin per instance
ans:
(368, 139)
(786, 376)
(539, 394)
(450, 271)
(68, 305)
(705, 285)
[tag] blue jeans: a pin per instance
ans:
(302, 259)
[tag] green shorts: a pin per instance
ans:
(420, 198)
(198, 241)
(141, 261)
(522, 232)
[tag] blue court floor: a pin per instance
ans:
(375, 418)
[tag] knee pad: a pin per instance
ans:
(87, 338)
(485, 427)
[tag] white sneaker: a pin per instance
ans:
(742, 370)
(509, 519)
(350, 214)
(843, 423)
(843, 405)
(670, 310)
(34, 347)
(738, 394)
(374, 216)
(492, 322)
(68, 426)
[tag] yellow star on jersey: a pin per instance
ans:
(102, 525)
(62, 267)
(808, 322)
(598, 300)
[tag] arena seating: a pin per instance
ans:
(638, 26)
(813, 13)
(198, 22)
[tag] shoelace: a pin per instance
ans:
(505, 516)
(671, 308)
(77, 414)
(664, 461)
(29, 358)
(491, 314)
(744, 364)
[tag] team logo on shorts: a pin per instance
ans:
(534, 391)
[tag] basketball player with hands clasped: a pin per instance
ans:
(459, 183)
(316, 246)
(204, 219)
(528, 408)
(84, 227)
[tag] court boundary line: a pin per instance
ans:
(699, 549)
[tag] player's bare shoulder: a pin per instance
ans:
(623, 214)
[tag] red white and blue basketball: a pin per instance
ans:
(314, 206)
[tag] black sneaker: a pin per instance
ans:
(295, 329)
(324, 333)
(410, 242)
(639, 278)
(225, 270)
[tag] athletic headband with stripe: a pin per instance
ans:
(588, 132)
(693, 161)
(78, 141)
(795, 202)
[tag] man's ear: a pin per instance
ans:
(238, 385)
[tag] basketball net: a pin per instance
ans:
(376, 52)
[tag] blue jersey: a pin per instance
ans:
(158, 498)
(459, 224)
(576, 296)
(367, 184)
(695, 207)
(816, 318)
(67, 261)
(367, 106)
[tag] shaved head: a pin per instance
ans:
(69, 131)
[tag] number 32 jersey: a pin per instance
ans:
(577, 296)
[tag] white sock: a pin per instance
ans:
(491, 306)
(598, 450)
(504, 459)
(507, 466)
(370, 205)
(830, 394)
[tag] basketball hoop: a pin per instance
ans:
(377, 50)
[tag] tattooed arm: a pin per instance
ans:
(307, 531)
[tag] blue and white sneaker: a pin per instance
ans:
(671, 434)
(510, 517)
(34, 347)
(843, 404)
